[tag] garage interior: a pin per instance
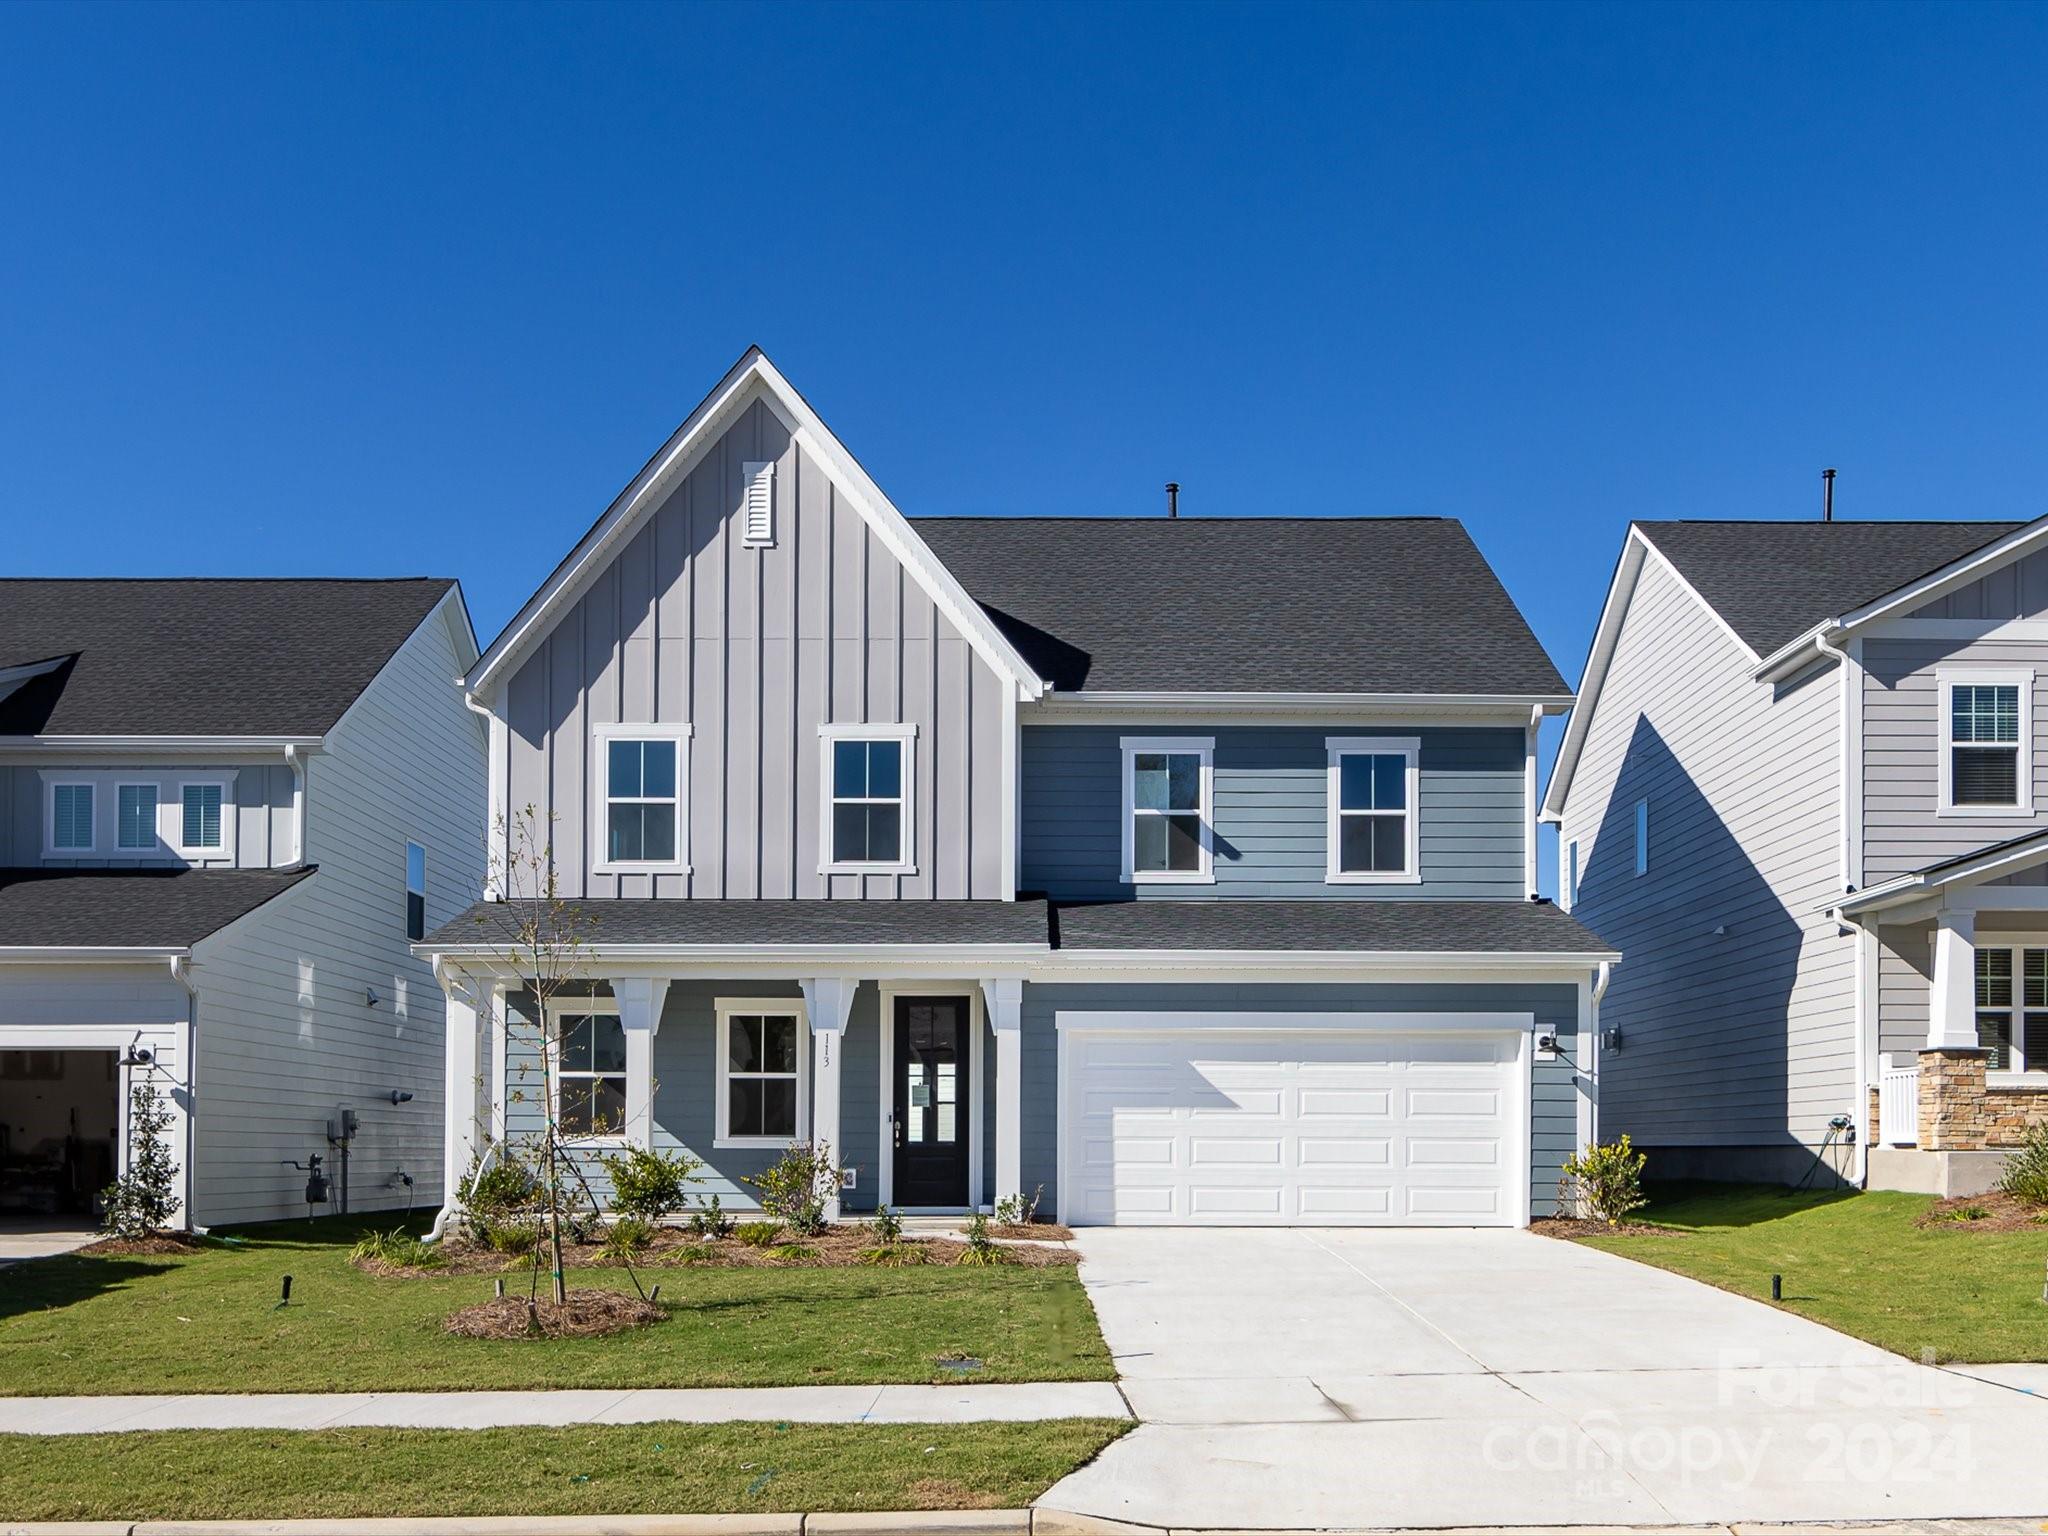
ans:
(59, 1125)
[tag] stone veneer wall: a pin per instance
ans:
(1960, 1113)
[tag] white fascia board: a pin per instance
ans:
(1606, 635)
(1375, 710)
(1961, 873)
(224, 747)
(81, 954)
(752, 378)
(1450, 965)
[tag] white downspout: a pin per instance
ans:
(1529, 803)
(1850, 674)
(297, 763)
(1601, 976)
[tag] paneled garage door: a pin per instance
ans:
(1224, 1126)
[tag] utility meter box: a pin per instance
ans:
(341, 1125)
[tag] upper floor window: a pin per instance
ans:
(1169, 787)
(1373, 785)
(71, 818)
(1571, 876)
(1986, 735)
(590, 1067)
(203, 820)
(761, 1067)
(2012, 1022)
(415, 891)
(867, 815)
(135, 817)
(642, 820)
(1642, 837)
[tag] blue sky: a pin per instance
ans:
(403, 289)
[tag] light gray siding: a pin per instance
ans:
(261, 794)
(1554, 1113)
(755, 649)
(285, 1026)
(2016, 590)
(1735, 995)
(1271, 828)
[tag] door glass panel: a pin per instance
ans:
(946, 1130)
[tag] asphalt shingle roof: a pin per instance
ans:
(200, 657)
(1774, 581)
(130, 908)
(1247, 604)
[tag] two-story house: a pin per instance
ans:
(1179, 868)
(1803, 789)
(226, 810)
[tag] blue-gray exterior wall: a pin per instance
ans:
(1271, 813)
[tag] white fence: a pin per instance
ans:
(1898, 1102)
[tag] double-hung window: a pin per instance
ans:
(135, 818)
(762, 1067)
(2012, 1008)
(203, 817)
(71, 818)
(1986, 726)
(869, 774)
(590, 1067)
(1373, 785)
(1169, 789)
(642, 816)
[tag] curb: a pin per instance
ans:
(964, 1522)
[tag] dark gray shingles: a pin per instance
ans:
(1774, 581)
(1247, 604)
(130, 908)
(636, 920)
(201, 657)
(1373, 926)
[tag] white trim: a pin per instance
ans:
(1529, 859)
(593, 1006)
(1202, 747)
(2023, 1075)
(1585, 1081)
(1853, 680)
(230, 817)
(905, 736)
(885, 1136)
(1010, 832)
(1367, 711)
(52, 782)
(1336, 749)
(602, 735)
(251, 747)
(752, 378)
(724, 1010)
(410, 844)
(1947, 678)
(757, 524)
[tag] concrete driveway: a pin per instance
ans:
(1354, 1379)
(42, 1237)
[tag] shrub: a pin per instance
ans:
(710, 1220)
(760, 1234)
(2026, 1169)
(145, 1197)
(1015, 1211)
(626, 1236)
(981, 1250)
(892, 1255)
(650, 1185)
(398, 1248)
(508, 1185)
(1605, 1181)
(888, 1225)
(795, 1188)
(514, 1238)
(792, 1253)
(1969, 1213)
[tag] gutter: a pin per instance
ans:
(64, 954)
(181, 745)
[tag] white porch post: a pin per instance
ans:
(640, 999)
(1005, 998)
(1952, 1010)
(460, 1092)
(829, 1002)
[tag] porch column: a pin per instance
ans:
(829, 1002)
(1005, 998)
(460, 1092)
(1952, 1006)
(640, 999)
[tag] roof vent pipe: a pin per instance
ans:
(1173, 498)
(1827, 495)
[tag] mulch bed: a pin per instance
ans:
(2000, 1213)
(155, 1243)
(1576, 1226)
(588, 1313)
(1032, 1231)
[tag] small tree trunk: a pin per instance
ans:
(560, 1286)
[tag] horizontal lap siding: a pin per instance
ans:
(1271, 813)
(1554, 1112)
(1743, 1036)
(755, 649)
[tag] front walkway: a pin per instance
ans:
(1394, 1379)
(485, 1410)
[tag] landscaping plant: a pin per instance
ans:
(710, 1220)
(650, 1185)
(398, 1248)
(626, 1236)
(981, 1251)
(2026, 1170)
(1015, 1211)
(760, 1234)
(1605, 1181)
(144, 1198)
(796, 1186)
(888, 1224)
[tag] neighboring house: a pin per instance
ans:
(1180, 868)
(1803, 790)
(226, 807)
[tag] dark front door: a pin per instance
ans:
(932, 1120)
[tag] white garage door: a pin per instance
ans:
(1274, 1127)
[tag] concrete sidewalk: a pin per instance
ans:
(963, 1404)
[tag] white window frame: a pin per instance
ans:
(1409, 748)
(905, 735)
(1642, 837)
(2023, 1074)
(729, 1008)
(225, 849)
(51, 784)
(558, 1008)
(157, 839)
(410, 892)
(1205, 748)
(601, 737)
(1945, 680)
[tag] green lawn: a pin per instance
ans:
(208, 1322)
(1857, 1263)
(615, 1469)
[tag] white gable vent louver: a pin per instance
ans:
(760, 509)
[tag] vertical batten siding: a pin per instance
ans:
(1746, 1037)
(285, 1030)
(755, 649)
(1271, 788)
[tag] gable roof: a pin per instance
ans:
(752, 378)
(1773, 581)
(198, 657)
(146, 909)
(1358, 605)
